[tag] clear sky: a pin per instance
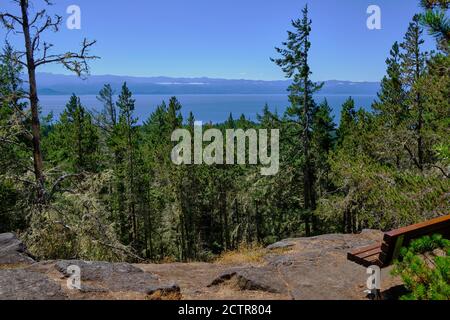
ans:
(230, 38)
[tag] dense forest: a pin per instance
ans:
(100, 186)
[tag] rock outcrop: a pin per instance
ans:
(22, 284)
(309, 268)
(22, 278)
(13, 251)
(302, 268)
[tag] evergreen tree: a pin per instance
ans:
(323, 140)
(412, 68)
(230, 123)
(74, 139)
(392, 109)
(15, 148)
(174, 118)
(125, 146)
(348, 121)
(108, 116)
(437, 22)
(294, 63)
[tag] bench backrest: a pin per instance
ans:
(394, 240)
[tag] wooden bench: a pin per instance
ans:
(384, 253)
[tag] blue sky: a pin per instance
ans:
(230, 38)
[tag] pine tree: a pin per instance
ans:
(412, 68)
(126, 142)
(323, 129)
(391, 107)
(230, 123)
(437, 22)
(74, 139)
(15, 149)
(108, 116)
(174, 118)
(323, 141)
(347, 123)
(294, 63)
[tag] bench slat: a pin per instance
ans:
(366, 256)
(370, 253)
(365, 249)
(383, 253)
(422, 225)
(438, 225)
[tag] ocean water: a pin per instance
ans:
(207, 107)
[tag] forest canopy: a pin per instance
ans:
(98, 186)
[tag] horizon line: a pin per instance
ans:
(202, 77)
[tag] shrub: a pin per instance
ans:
(253, 253)
(76, 225)
(425, 269)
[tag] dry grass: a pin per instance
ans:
(13, 266)
(243, 255)
(160, 295)
(249, 254)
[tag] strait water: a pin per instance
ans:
(207, 107)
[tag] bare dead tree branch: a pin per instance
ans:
(12, 18)
(50, 23)
(447, 175)
(38, 15)
(32, 26)
(61, 180)
(411, 155)
(75, 62)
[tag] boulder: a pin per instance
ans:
(13, 251)
(115, 277)
(21, 284)
(164, 292)
(252, 278)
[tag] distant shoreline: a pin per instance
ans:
(213, 94)
(53, 84)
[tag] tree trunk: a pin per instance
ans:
(420, 111)
(223, 209)
(34, 105)
(308, 186)
(419, 133)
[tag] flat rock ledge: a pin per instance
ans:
(300, 269)
(13, 251)
(22, 278)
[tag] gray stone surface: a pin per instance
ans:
(303, 268)
(110, 277)
(21, 284)
(284, 244)
(313, 268)
(252, 278)
(13, 251)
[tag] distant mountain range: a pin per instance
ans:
(56, 84)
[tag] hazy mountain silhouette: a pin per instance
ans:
(57, 84)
